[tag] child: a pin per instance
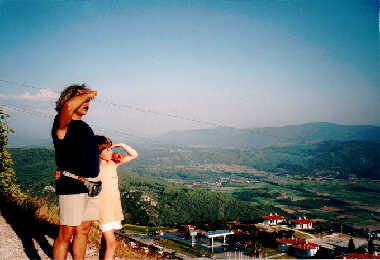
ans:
(110, 211)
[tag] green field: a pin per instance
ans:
(336, 200)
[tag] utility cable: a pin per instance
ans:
(144, 110)
(110, 131)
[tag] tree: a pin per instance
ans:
(371, 246)
(351, 246)
(7, 175)
(9, 191)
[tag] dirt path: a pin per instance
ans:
(16, 242)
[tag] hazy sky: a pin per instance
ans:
(236, 63)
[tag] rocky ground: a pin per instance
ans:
(16, 243)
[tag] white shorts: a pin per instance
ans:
(110, 226)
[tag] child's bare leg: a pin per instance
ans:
(110, 245)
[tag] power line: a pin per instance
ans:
(109, 131)
(27, 111)
(144, 110)
(20, 84)
(136, 108)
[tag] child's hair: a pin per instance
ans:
(103, 142)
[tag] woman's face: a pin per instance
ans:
(106, 154)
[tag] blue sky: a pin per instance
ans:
(235, 63)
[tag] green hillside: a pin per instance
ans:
(338, 159)
(149, 198)
(153, 202)
(145, 200)
(34, 167)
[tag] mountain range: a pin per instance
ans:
(224, 137)
(272, 136)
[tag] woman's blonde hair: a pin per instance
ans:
(67, 94)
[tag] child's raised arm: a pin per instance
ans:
(131, 154)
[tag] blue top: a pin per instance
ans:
(77, 153)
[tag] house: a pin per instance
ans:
(302, 223)
(273, 219)
(189, 227)
(284, 243)
(304, 250)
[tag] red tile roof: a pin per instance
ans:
(302, 221)
(358, 256)
(289, 241)
(306, 246)
(189, 226)
(274, 217)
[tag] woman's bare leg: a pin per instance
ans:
(61, 243)
(80, 240)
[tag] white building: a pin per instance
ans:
(302, 223)
(284, 243)
(304, 250)
(273, 219)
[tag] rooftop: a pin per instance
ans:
(274, 217)
(189, 226)
(219, 233)
(289, 241)
(302, 221)
(306, 246)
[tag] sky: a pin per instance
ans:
(160, 66)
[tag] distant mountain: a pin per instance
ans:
(338, 159)
(20, 140)
(268, 136)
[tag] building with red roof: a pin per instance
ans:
(273, 219)
(358, 256)
(305, 249)
(189, 227)
(284, 243)
(302, 223)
